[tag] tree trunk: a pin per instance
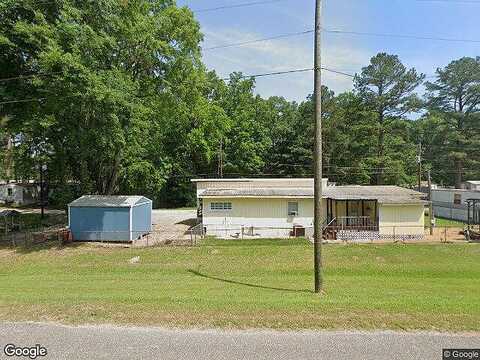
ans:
(458, 173)
(381, 149)
(112, 181)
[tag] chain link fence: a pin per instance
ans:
(194, 235)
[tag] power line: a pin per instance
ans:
(254, 3)
(415, 37)
(273, 73)
(342, 32)
(36, 99)
(338, 72)
(260, 40)
(291, 72)
(225, 79)
(21, 101)
(28, 76)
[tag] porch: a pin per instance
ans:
(352, 219)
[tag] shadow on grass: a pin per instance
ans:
(197, 273)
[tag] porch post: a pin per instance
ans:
(363, 213)
(346, 212)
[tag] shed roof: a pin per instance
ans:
(252, 180)
(109, 201)
(384, 194)
(9, 213)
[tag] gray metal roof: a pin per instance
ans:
(384, 194)
(259, 192)
(9, 213)
(108, 201)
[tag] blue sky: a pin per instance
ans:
(348, 53)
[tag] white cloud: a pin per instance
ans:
(281, 55)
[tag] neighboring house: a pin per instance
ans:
(452, 203)
(232, 208)
(471, 185)
(109, 218)
(424, 188)
(18, 194)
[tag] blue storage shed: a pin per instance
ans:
(109, 218)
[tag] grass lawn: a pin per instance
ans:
(246, 284)
(441, 222)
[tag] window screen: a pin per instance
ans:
(292, 208)
(457, 199)
(221, 206)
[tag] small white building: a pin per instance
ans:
(233, 208)
(18, 194)
(452, 203)
(471, 185)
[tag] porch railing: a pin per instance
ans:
(349, 223)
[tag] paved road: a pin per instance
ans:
(109, 342)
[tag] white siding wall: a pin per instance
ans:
(17, 194)
(268, 216)
(443, 205)
(401, 220)
(21, 195)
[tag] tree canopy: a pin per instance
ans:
(114, 98)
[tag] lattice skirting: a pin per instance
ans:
(357, 236)
(402, 237)
(365, 236)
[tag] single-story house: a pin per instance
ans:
(452, 203)
(232, 208)
(471, 185)
(18, 193)
(109, 218)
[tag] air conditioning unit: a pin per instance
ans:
(293, 213)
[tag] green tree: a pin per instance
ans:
(454, 104)
(387, 88)
(110, 77)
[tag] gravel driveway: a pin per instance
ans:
(170, 225)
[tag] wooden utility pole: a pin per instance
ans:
(318, 216)
(430, 210)
(42, 192)
(419, 161)
(220, 160)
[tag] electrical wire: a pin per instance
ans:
(235, 6)
(291, 72)
(282, 36)
(415, 37)
(342, 32)
(29, 76)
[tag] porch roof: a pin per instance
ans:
(383, 194)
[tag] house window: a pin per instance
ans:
(292, 208)
(10, 192)
(221, 206)
(457, 199)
